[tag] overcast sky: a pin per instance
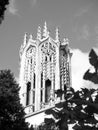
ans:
(76, 19)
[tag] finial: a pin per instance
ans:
(45, 30)
(57, 37)
(39, 33)
(21, 51)
(25, 39)
(65, 41)
(31, 36)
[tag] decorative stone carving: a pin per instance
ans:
(45, 31)
(57, 37)
(47, 60)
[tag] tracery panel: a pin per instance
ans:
(64, 69)
(48, 64)
(30, 76)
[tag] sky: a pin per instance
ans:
(76, 19)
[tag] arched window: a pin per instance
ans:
(47, 90)
(28, 93)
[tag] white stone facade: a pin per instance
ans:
(45, 66)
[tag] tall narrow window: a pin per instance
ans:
(31, 60)
(41, 80)
(54, 82)
(41, 92)
(33, 97)
(50, 58)
(47, 90)
(28, 93)
(34, 81)
(46, 58)
(41, 99)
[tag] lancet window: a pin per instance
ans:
(28, 93)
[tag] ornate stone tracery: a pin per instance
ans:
(45, 65)
(48, 63)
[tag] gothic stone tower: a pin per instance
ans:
(45, 66)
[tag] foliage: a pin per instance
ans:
(85, 109)
(93, 59)
(11, 111)
(63, 112)
(3, 6)
(48, 125)
(78, 107)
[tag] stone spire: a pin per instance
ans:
(39, 33)
(31, 36)
(57, 37)
(45, 30)
(25, 39)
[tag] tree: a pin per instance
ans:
(93, 60)
(85, 109)
(3, 6)
(11, 111)
(63, 112)
(79, 107)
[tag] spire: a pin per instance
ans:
(25, 39)
(39, 33)
(45, 30)
(31, 36)
(57, 37)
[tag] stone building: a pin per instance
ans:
(45, 66)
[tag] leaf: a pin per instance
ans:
(52, 112)
(48, 111)
(49, 120)
(96, 99)
(59, 105)
(88, 75)
(59, 92)
(72, 90)
(76, 95)
(93, 58)
(76, 127)
(89, 110)
(65, 111)
(91, 77)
